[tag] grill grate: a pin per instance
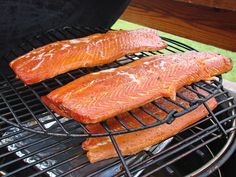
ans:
(62, 156)
(21, 104)
(25, 123)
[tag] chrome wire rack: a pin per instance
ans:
(25, 123)
(21, 104)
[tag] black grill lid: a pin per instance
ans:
(23, 18)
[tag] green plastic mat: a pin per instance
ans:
(121, 24)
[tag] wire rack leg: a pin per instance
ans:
(215, 120)
(106, 127)
(120, 155)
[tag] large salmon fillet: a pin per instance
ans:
(99, 96)
(101, 148)
(59, 57)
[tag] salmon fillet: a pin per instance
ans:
(131, 143)
(99, 96)
(59, 57)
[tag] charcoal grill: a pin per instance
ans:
(49, 144)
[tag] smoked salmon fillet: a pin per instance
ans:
(99, 96)
(97, 49)
(101, 148)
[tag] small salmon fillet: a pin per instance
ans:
(101, 148)
(97, 49)
(99, 96)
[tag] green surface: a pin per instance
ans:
(121, 24)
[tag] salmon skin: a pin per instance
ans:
(97, 49)
(99, 96)
(101, 148)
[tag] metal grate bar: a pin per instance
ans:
(186, 139)
(36, 162)
(18, 140)
(74, 169)
(176, 103)
(63, 36)
(191, 102)
(195, 91)
(150, 113)
(118, 150)
(230, 99)
(204, 143)
(204, 133)
(136, 118)
(152, 160)
(56, 165)
(23, 147)
(109, 166)
(71, 31)
(122, 123)
(20, 98)
(48, 110)
(215, 119)
(2, 130)
(161, 107)
(180, 157)
(9, 107)
(176, 48)
(203, 88)
(173, 149)
(168, 49)
(179, 44)
(19, 109)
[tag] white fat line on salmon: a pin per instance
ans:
(99, 41)
(38, 65)
(162, 65)
(48, 55)
(50, 51)
(141, 94)
(102, 143)
(150, 62)
(66, 96)
(85, 87)
(39, 57)
(104, 71)
(28, 55)
(65, 46)
(131, 76)
(77, 41)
